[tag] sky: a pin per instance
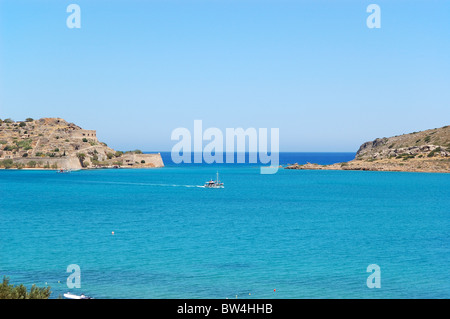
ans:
(137, 70)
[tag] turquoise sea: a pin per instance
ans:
(295, 234)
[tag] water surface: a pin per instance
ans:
(307, 234)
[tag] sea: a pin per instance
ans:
(296, 234)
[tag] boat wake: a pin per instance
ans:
(142, 184)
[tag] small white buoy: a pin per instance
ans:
(112, 233)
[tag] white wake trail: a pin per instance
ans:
(141, 184)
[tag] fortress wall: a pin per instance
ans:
(151, 160)
(89, 134)
(69, 162)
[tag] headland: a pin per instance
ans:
(53, 143)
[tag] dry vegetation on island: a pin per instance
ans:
(425, 151)
(53, 143)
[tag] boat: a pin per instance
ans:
(69, 295)
(214, 184)
(64, 170)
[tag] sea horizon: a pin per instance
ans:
(284, 158)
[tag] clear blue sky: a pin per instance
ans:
(136, 70)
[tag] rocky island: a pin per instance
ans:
(425, 151)
(53, 143)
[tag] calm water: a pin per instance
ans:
(284, 159)
(307, 234)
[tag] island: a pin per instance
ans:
(425, 151)
(53, 143)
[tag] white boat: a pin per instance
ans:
(64, 170)
(214, 184)
(69, 295)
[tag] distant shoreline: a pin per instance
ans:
(74, 170)
(417, 166)
(425, 151)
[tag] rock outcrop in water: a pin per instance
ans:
(54, 143)
(426, 151)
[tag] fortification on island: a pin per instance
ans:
(53, 143)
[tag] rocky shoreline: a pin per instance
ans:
(403, 153)
(431, 166)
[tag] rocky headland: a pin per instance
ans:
(425, 151)
(53, 143)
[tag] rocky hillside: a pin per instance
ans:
(56, 144)
(414, 144)
(426, 151)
